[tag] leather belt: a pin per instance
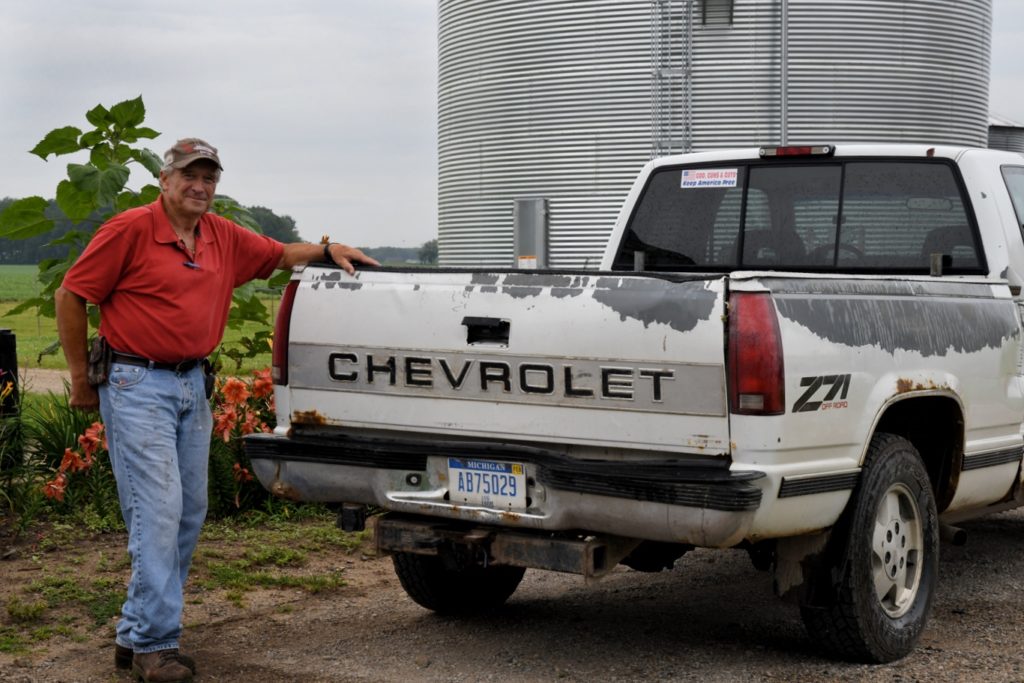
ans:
(180, 366)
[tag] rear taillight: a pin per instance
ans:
(755, 370)
(279, 357)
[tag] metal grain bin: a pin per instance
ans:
(1005, 135)
(566, 100)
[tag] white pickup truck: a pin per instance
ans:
(813, 353)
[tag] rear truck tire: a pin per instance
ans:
(448, 584)
(871, 596)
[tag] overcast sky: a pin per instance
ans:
(324, 110)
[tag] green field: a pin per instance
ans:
(18, 283)
(35, 333)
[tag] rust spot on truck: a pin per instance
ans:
(904, 386)
(510, 517)
(308, 417)
(283, 490)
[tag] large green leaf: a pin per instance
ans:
(127, 200)
(130, 199)
(86, 177)
(103, 184)
(149, 160)
(98, 116)
(58, 141)
(136, 134)
(149, 193)
(247, 307)
(227, 207)
(111, 182)
(99, 157)
(72, 237)
(25, 218)
(143, 132)
(92, 138)
(26, 305)
(75, 203)
(122, 153)
(280, 278)
(47, 265)
(129, 113)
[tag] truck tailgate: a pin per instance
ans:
(616, 361)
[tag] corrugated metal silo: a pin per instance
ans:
(1005, 135)
(566, 100)
(543, 98)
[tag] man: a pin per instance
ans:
(163, 275)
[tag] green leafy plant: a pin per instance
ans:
(92, 192)
(247, 307)
(21, 501)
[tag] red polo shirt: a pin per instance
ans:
(151, 303)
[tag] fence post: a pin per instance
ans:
(8, 372)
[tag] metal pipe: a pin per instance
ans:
(688, 78)
(953, 535)
(784, 75)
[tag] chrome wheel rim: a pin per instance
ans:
(897, 550)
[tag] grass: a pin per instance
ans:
(76, 589)
(18, 283)
(35, 333)
(100, 598)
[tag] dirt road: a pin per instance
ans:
(712, 618)
(40, 380)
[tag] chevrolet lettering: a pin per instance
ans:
(491, 378)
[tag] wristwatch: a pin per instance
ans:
(327, 253)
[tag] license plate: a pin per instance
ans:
(487, 483)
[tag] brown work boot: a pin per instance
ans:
(123, 658)
(163, 666)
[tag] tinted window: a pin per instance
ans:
(676, 227)
(895, 215)
(858, 215)
(793, 221)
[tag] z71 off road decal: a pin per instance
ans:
(833, 385)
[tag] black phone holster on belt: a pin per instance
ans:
(100, 355)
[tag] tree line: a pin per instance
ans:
(282, 228)
(48, 245)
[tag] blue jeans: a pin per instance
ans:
(158, 428)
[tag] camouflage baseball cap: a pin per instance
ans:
(187, 150)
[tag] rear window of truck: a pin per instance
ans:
(850, 216)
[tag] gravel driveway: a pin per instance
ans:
(712, 618)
